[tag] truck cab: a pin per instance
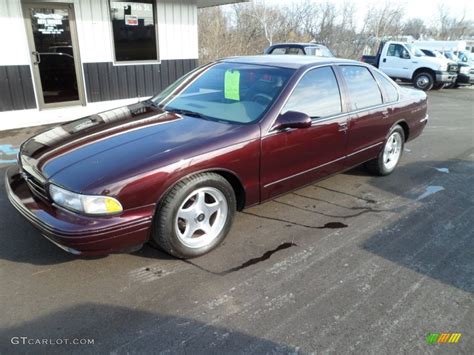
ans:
(407, 62)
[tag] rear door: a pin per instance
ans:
(292, 158)
(369, 116)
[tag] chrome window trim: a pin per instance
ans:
(383, 104)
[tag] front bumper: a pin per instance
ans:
(75, 233)
(465, 79)
(445, 77)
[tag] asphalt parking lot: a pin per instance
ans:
(350, 264)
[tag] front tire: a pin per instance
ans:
(389, 157)
(195, 216)
(423, 81)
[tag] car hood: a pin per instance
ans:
(93, 152)
(432, 60)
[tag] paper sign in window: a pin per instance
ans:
(232, 85)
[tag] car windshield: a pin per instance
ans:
(452, 56)
(415, 50)
(230, 92)
(318, 51)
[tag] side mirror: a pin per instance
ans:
(292, 119)
(405, 55)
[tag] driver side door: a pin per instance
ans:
(393, 64)
(292, 158)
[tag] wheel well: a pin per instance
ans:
(421, 70)
(406, 129)
(236, 185)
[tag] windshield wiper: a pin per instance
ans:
(186, 112)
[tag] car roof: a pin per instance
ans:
(298, 44)
(287, 61)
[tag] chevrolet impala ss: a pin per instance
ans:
(173, 170)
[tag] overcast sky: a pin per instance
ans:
(425, 9)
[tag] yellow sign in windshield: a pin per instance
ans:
(232, 85)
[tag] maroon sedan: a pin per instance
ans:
(173, 170)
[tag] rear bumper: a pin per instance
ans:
(75, 233)
(445, 77)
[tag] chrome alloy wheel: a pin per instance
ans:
(201, 217)
(392, 151)
(422, 81)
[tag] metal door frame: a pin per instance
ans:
(75, 47)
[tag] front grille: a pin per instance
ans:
(471, 71)
(453, 68)
(36, 187)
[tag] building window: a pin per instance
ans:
(134, 30)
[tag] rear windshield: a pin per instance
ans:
(231, 92)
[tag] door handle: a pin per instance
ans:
(38, 57)
(385, 114)
(384, 60)
(342, 126)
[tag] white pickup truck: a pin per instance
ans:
(400, 60)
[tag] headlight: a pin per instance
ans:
(465, 70)
(83, 203)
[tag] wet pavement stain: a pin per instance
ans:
(253, 261)
(368, 200)
(363, 210)
(334, 225)
(326, 226)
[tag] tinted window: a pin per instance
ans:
(395, 50)
(363, 89)
(232, 92)
(281, 50)
(133, 27)
(295, 50)
(318, 51)
(389, 87)
(317, 94)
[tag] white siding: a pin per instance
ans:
(177, 31)
(94, 31)
(13, 42)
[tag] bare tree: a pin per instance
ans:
(247, 28)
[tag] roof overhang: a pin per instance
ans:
(209, 3)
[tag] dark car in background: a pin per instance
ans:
(173, 170)
(314, 49)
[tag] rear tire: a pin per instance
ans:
(423, 81)
(389, 157)
(195, 216)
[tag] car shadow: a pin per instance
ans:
(123, 330)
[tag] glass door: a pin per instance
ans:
(54, 53)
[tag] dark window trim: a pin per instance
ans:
(115, 62)
(382, 88)
(347, 93)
